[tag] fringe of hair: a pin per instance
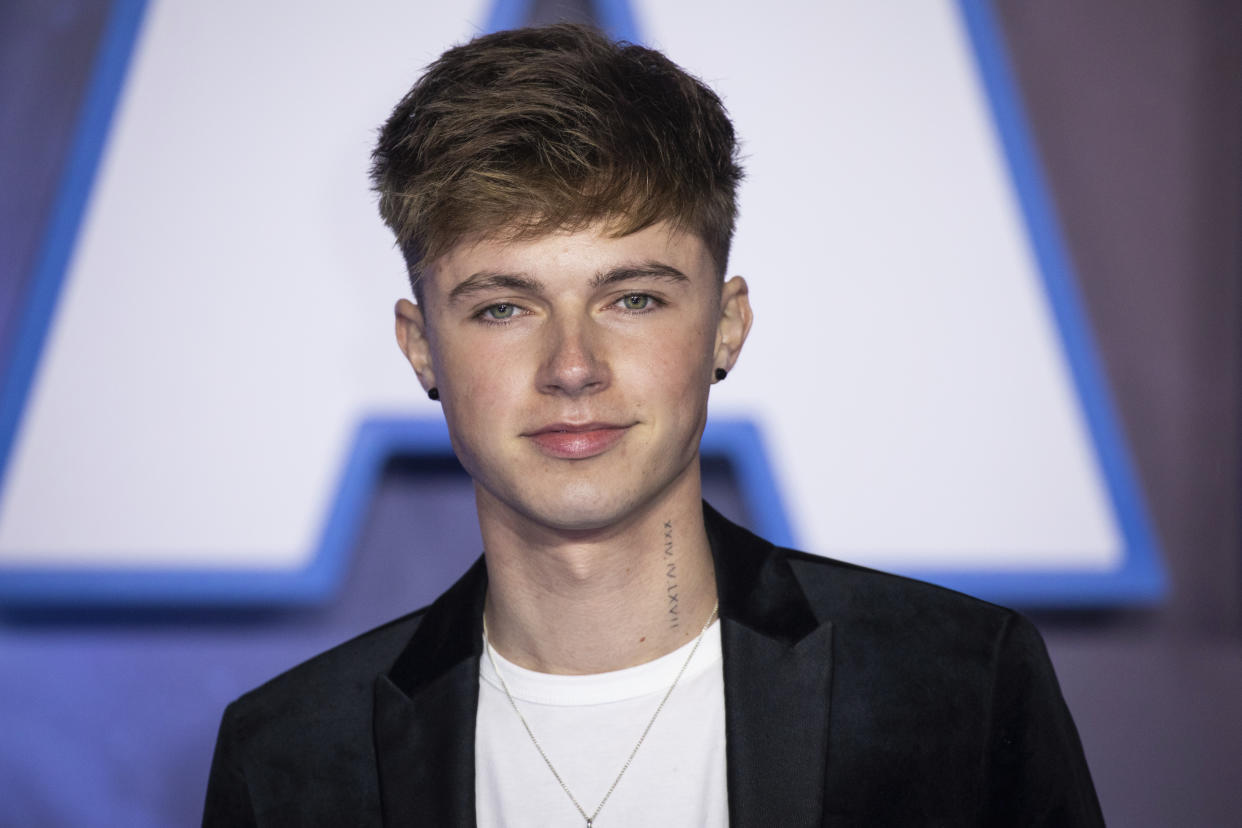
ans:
(525, 132)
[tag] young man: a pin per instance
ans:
(622, 655)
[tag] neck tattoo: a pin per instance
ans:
(670, 574)
(590, 820)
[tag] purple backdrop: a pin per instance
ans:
(1137, 108)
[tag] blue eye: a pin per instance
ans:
(636, 301)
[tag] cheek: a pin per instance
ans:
(694, 346)
(481, 379)
(675, 363)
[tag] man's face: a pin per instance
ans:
(574, 368)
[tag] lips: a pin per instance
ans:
(577, 442)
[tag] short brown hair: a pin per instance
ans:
(533, 130)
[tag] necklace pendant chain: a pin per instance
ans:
(590, 820)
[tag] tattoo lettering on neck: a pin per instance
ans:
(670, 576)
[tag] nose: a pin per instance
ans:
(574, 364)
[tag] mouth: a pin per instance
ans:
(577, 441)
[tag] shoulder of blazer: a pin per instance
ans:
(298, 749)
(324, 702)
(948, 698)
(849, 594)
(349, 669)
(858, 601)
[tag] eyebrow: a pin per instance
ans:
(649, 270)
(487, 280)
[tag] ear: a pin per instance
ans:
(734, 324)
(412, 337)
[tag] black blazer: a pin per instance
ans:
(852, 697)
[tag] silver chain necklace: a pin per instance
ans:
(590, 820)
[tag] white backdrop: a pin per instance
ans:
(226, 319)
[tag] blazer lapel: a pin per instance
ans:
(424, 715)
(777, 675)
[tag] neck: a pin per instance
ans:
(600, 601)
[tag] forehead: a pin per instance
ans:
(571, 257)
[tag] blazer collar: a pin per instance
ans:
(777, 673)
(777, 677)
(424, 714)
(756, 586)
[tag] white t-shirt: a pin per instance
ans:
(587, 725)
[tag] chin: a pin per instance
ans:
(584, 498)
(582, 513)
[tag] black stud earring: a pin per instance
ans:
(721, 374)
(433, 394)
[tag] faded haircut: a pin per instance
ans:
(525, 132)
